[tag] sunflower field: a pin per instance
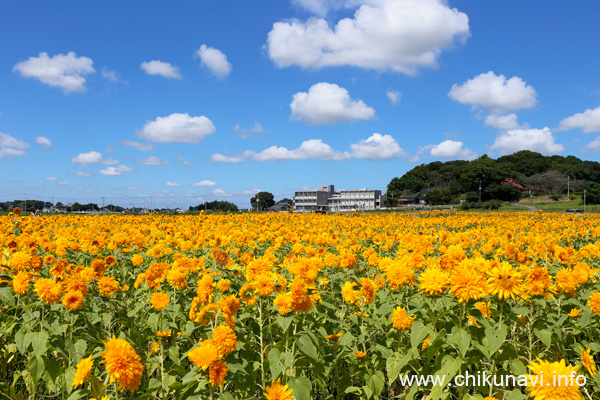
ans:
(300, 306)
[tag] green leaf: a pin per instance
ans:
(301, 388)
(496, 338)
(516, 395)
(449, 369)
(376, 382)
(418, 332)
(7, 297)
(36, 368)
(38, 342)
(306, 346)
(22, 340)
(517, 367)
(274, 357)
(80, 348)
(545, 336)
(461, 338)
(226, 396)
(284, 322)
(353, 389)
(174, 354)
(395, 364)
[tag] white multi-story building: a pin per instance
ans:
(325, 198)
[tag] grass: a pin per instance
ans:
(545, 203)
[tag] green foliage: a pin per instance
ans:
(593, 193)
(216, 205)
(437, 197)
(530, 169)
(262, 200)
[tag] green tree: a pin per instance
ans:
(592, 195)
(438, 196)
(262, 200)
(286, 201)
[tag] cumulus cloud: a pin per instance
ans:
(214, 60)
(503, 122)
(177, 128)
(394, 96)
(115, 171)
(588, 121)
(92, 157)
(451, 149)
(63, 182)
(50, 178)
(538, 140)
(11, 146)
(309, 149)
(592, 147)
(139, 146)
(394, 35)
(246, 133)
(327, 103)
(165, 69)
(153, 160)
(495, 93)
(377, 147)
(44, 142)
(64, 71)
(172, 184)
(204, 183)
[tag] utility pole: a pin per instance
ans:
(568, 192)
(25, 202)
(103, 203)
(480, 191)
(583, 200)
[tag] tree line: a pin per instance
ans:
(449, 182)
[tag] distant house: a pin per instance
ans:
(408, 199)
(279, 207)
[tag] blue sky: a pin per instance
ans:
(188, 100)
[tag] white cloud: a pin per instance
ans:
(309, 149)
(246, 133)
(64, 71)
(8, 152)
(172, 184)
(394, 96)
(92, 157)
(451, 149)
(63, 182)
(377, 147)
(153, 160)
(81, 174)
(539, 140)
(109, 75)
(327, 103)
(503, 122)
(589, 121)
(136, 187)
(395, 35)
(177, 128)
(165, 69)
(11, 146)
(221, 193)
(183, 161)
(214, 60)
(592, 147)
(50, 178)
(204, 183)
(44, 142)
(115, 171)
(495, 93)
(139, 146)
(12, 142)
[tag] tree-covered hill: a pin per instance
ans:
(529, 169)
